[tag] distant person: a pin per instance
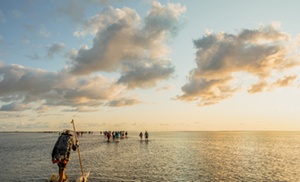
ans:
(61, 152)
(141, 135)
(146, 135)
(126, 134)
(113, 135)
(108, 135)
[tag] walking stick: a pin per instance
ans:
(78, 149)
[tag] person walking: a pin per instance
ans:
(146, 135)
(141, 135)
(61, 152)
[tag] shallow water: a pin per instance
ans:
(168, 156)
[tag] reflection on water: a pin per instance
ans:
(167, 156)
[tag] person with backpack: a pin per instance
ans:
(61, 152)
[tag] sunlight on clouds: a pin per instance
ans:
(100, 22)
(23, 87)
(150, 63)
(123, 102)
(259, 52)
(126, 43)
(283, 82)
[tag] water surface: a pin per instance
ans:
(168, 156)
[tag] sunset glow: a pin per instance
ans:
(152, 65)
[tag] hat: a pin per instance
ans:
(66, 131)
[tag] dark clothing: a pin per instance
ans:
(141, 135)
(59, 154)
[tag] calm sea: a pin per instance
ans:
(168, 156)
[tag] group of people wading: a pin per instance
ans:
(146, 135)
(65, 143)
(115, 135)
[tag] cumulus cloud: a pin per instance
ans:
(106, 18)
(259, 52)
(23, 88)
(55, 48)
(144, 75)
(126, 43)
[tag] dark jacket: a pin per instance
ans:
(63, 146)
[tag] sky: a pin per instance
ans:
(164, 65)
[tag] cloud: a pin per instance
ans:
(108, 17)
(42, 90)
(123, 102)
(10, 115)
(283, 82)
(14, 106)
(81, 109)
(43, 108)
(127, 44)
(259, 52)
(145, 76)
(258, 87)
(55, 49)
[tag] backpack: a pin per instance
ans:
(62, 146)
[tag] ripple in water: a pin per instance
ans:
(168, 156)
